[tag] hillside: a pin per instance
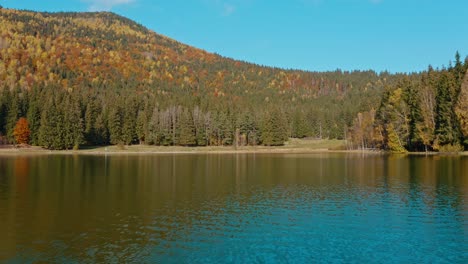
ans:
(100, 78)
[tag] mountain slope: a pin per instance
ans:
(104, 59)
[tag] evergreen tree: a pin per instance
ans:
(91, 113)
(100, 130)
(129, 133)
(187, 136)
(412, 99)
(300, 128)
(13, 114)
(141, 126)
(51, 132)
(274, 132)
(4, 98)
(461, 110)
(34, 119)
(73, 125)
(446, 124)
(115, 126)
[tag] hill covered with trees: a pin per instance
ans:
(99, 78)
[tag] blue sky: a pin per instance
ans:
(394, 35)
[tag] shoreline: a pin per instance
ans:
(294, 146)
(177, 150)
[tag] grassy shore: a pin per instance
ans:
(292, 146)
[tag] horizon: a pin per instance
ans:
(436, 45)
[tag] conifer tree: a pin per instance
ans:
(115, 126)
(300, 127)
(274, 132)
(187, 135)
(34, 119)
(129, 133)
(412, 100)
(73, 123)
(141, 127)
(90, 121)
(461, 110)
(13, 114)
(51, 132)
(446, 123)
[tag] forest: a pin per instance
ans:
(74, 79)
(419, 114)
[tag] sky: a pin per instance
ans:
(315, 35)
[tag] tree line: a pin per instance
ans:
(59, 119)
(427, 113)
(98, 79)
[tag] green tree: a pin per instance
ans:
(415, 119)
(300, 127)
(34, 118)
(187, 136)
(274, 131)
(73, 124)
(51, 131)
(446, 123)
(461, 110)
(115, 126)
(142, 127)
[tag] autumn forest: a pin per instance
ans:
(86, 79)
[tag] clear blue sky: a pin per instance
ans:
(394, 35)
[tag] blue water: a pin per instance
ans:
(332, 208)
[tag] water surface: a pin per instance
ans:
(234, 208)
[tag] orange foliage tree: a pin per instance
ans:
(21, 131)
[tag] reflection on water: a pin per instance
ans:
(234, 208)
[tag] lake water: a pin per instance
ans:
(234, 208)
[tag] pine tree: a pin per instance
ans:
(115, 126)
(129, 134)
(74, 136)
(142, 127)
(461, 110)
(90, 121)
(34, 119)
(300, 128)
(187, 135)
(51, 131)
(446, 123)
(412, 99)
(274, 131)
(101, 131)
(13, 114)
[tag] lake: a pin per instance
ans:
(234, 208)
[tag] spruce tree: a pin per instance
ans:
(187, 135)
(129, 134)
(446, 124)
(115, 126)
(274, 131)
(141, 127)
(300, 128)
(34, 118)
(461, 110)
(90, 121)
(13, 114)
(412, 99)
